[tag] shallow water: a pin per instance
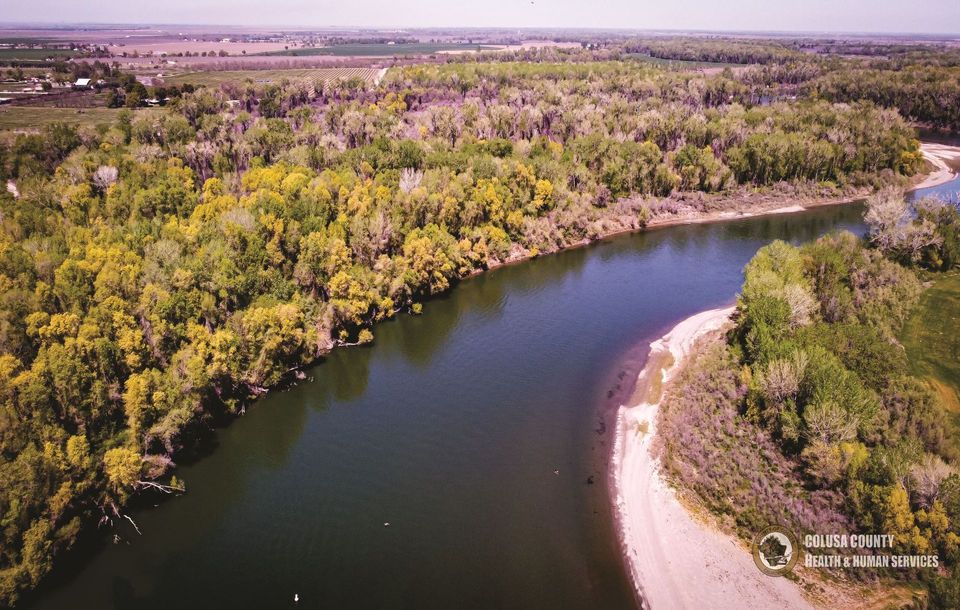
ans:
(450, 428)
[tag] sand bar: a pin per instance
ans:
(675, 560)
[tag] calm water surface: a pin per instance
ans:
(449, 428)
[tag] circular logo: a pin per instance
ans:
(775, 551)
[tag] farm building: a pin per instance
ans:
(82, 83)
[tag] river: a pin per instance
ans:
(478, 431)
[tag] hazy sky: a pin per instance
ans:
(933, 16)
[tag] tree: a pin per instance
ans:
(122, 467)
(926, 478)
(897, 518)
(132, 100)
(434, 257)
(942, 253)
(321, 257)
(78, 452)
(895, 227)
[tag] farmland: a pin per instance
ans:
(382, 50)
(315, 75)
(35, 54)
(174, 47)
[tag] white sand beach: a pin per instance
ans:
(944, 158)
(675, 560)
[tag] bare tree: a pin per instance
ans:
(781, 378)
(828, 422)
(920, 235)
(925, 478)
(802, 304)
(887, 214)
(824, 462)
(410, 179)
(105, 176)
(895, 228)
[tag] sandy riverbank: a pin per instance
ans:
(749, 205)
(944, 159)
(674, 560)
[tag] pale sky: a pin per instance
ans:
(908, 16)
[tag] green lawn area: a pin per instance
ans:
(382, 49)
(35, 117)
(932, 339)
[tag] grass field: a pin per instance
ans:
(932, 341)
(381, 49)
(315, 75)
(28, 118)
(35, 54)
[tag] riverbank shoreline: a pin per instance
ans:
(673, 560)
(944, 159)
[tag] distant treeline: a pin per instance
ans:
(921, 81)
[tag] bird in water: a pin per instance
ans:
(296, 598)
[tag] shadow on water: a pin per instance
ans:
(343, 377)
(419, 338)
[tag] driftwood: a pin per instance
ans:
(167, 489)
(132, 522)
(116, 512)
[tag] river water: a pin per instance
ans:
(479, 431)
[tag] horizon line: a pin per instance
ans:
(599, 29)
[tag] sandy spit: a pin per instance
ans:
(944, 158)
(674, 560)
(945, 154)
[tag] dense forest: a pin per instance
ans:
(808, 415)
(922, 82)
(164, 271)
